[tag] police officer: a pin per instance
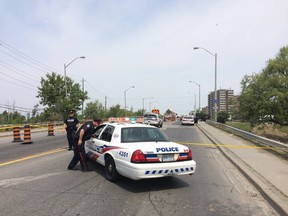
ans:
(71, 124)
(84, 133)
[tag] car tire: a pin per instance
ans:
(110, 170)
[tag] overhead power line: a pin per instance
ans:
(28, 58)
(91, 86)
(44, 70)
(18, 71)
(17, 79)
(17, 108)
(17, 84)
(13, 55)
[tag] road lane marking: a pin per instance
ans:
(21, 180)
(34, 156)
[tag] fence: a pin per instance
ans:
(250, 136)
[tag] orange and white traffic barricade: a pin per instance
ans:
(27, 135)
(16, 134)
(50, 129)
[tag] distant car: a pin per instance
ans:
(187, 120)
(203, 119)
(138, 151)
(153, 119)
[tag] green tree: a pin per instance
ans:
(13, 117)
(232, 107)
(222, 116)
(35, 114)
(248, 106)
(115, 111)
(4, 117)
(94, 109)
(138, 112)
(275, 76)
(266, 93)
(16, 118)
(202, 115)
(52, 94)
(35, 111)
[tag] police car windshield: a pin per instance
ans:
(142, 134)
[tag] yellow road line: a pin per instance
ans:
(226, 145)
(34, 156)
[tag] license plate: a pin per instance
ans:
(167, 157)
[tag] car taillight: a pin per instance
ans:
(185, 156)
(189, 156)
(138, 157)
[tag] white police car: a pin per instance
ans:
(153, 119)
(138, 151)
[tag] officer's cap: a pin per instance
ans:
(97, 120)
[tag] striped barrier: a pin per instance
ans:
(27, 135)
(16, 134)
(50, 129)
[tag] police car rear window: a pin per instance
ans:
(139, 134)
(188, 117)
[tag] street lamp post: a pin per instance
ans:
(125, 98)
(143, 103)
(215, 85)
(199, 92)
(65, 66)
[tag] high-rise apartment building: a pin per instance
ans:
(223, 101)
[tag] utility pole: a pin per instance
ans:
(105, 106)
(83, 99)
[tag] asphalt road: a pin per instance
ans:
(42, 185)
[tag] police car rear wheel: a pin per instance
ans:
(110, 169)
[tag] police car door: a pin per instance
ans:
(103, 141)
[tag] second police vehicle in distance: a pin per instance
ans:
(154, 118)
(137, 151)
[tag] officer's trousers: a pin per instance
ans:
(70, 137)
(79, 155)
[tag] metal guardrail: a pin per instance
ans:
(250, 136)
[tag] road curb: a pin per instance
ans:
(272, 194)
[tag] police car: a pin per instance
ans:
(153, 119)
(137, 151)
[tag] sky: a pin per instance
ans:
(147, 44)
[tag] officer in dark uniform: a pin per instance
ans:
(84, 133)
(71, 124)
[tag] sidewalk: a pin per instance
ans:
(266, 171)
